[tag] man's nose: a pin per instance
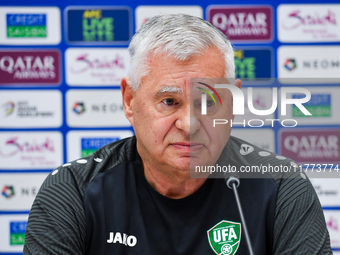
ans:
(187, 120)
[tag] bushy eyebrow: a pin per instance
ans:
(169, 89)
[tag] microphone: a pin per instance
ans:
(232, 180)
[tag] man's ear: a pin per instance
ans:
(128, 98)
(238, 83)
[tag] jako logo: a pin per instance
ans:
(122, 239)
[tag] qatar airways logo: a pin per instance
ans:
(239, 104)
(31, 66)
(246, 23)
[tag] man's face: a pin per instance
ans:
(166, 113)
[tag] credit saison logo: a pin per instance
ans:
(90, 145)
(239, 104)
(122, 238)
(319, 106)
(17, 232)
(26, 25)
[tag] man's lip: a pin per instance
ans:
(186, 146)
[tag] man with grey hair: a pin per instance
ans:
(136, 196)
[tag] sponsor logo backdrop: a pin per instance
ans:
(309, 64)
(19, 190)
(30, 108)
(61, 66)
(98, 25)
(30, 67)
(243, 24)
(308, 23)
(30, 25)
(84, 143)
(96, 66)
(30, 150)
(89, 108)
(13, 229)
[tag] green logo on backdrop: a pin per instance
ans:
(224, 238)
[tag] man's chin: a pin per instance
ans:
(187, 164)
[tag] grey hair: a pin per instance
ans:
(179, 36)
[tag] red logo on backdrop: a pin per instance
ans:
(27, 67)
(310, 20)
(243, 23)
(311, 146)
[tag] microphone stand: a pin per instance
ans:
(232, 183)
